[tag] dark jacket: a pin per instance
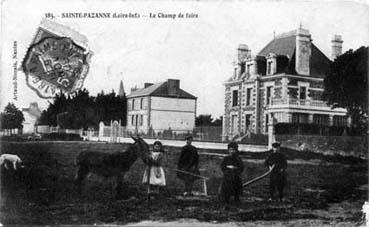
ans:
(234, 160)
(189, 162)
(232, 183)
(278, 160)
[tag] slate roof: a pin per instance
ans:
(160, 90)
(145, 91)
(285, 44)
(319, 63)
(282, 45)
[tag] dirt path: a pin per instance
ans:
(195, 223)
(338, 212)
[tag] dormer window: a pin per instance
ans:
(235, 73)
(249, 68)
(242, 65)
(269, 68)
(271, 64)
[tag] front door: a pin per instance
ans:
(234, 129)
(248, 122)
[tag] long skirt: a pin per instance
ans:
(157, 176)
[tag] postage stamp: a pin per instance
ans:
(56, 61)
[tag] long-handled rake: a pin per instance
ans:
(258, 178)
(204, 179)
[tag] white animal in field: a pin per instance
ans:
(10, 160)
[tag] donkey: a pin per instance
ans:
(110, 164)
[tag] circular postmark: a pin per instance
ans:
(55, 64)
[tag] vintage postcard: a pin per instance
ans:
(184, 113)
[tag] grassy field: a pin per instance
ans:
(329, 189)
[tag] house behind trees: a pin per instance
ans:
(31, 116)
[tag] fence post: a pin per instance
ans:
(205, 187)
(120, 133)
(101, 130)
(111, 131)
(365, 210)
(271, 131)
(271, 135)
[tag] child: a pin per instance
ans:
(232, 168)
(154, 173)
(278, 175)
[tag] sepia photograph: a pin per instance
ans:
(184, 113)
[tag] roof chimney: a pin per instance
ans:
(243, 52)
(173, 86)
(303, 51)
(134, 89)
(336, 46)
(147, 85)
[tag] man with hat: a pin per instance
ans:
(278, 162)
(188, 166)
(232, 168)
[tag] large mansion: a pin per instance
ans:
(284, 82)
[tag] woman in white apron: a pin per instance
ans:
(154, 172)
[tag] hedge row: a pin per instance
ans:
(315, 129)
(62, 136)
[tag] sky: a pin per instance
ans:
(198, 51)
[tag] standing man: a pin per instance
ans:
(188, 163)
(278, 162)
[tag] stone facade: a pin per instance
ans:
(284, 82)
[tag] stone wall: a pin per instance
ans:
(329, 145)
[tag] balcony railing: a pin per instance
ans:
(298, 102)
